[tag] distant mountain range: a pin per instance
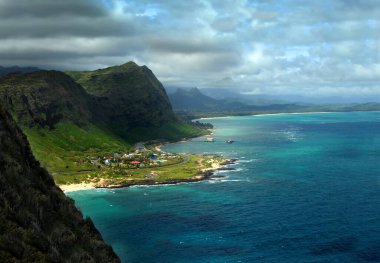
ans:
(195, 102)
(233, 96)
(226, 94)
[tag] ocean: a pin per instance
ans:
(306, 189)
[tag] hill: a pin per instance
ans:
(38, 222)
(57, 115)
(66, 123)
(130, 96)
(134, 103)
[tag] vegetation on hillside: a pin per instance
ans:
(130, 95)
(66, 123)
(38, 222)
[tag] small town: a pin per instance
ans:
(137, 159)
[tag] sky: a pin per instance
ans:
(314, 48)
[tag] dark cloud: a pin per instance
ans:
(50, 9)
(39, 28)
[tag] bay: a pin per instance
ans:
(306, 189)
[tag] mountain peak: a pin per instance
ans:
(189, 92)
(129, 64)
(138, 96)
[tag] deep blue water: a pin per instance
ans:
(306, 189)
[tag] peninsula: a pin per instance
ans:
(142, 166)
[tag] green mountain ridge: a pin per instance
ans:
(66, 123)
(38, 222)
(129, 95)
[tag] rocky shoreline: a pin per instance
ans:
(206, 175)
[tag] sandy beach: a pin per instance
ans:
(207, 173)
(76, 187)
(292, 113)
(264, 114)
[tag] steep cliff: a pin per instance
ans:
(44, 98)
(38, 223)
(129, 95)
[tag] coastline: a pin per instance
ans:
(280, 113)
(205, 174)
(266, 114)
(293, 113)
(76, 187)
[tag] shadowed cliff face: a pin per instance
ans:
(38, 223)
(129, 95)
(44, 98)
(119, 98)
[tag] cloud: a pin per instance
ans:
(50, 9)
(283, 47)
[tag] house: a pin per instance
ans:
(137, 163)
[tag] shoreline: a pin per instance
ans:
(206, 174)
(66, 188)
(76, 187)
(280, 113)
(267, 114)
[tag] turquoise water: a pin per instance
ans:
(306, 189)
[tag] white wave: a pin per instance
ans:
(228, 179)
(246, 161)
(233, 180)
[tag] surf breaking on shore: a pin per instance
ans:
(206, 174)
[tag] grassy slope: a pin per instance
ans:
(188, 169)
(61, 150)
(65, 150)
